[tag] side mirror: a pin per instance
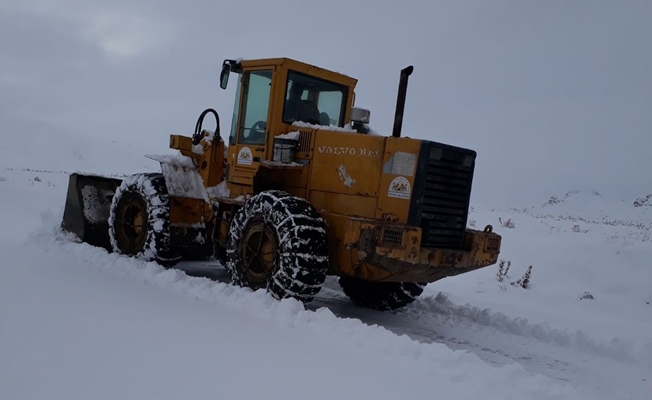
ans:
(224, 75)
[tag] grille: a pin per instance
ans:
(304, 141)
(394, 237)
(446, 189)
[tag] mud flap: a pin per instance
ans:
(88, 204)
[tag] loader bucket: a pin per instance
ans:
(87, 208)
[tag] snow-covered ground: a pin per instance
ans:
(79, 323)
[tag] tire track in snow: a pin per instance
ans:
(501, 340)
(425, 318)
(496, 338)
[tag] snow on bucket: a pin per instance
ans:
(285, 146)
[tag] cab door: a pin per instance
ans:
(250, 134)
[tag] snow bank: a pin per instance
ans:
(294, 135)
(39, 145)
(643, 201)
(616, 348)
(335, 128)
(591, 204)
(570, 255)
(434, 367)
(220, 190)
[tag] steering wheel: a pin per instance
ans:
(257, 131)
(259, 127)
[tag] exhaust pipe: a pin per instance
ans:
(400, 100)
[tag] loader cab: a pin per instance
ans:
(309, 99)
(272, 97)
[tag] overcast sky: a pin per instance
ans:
(553, 95)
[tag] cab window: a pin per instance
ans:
(256, 89)
(314, 101)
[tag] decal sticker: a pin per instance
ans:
(344, 177)
(244, 156)
(349, 151)
(399, 188)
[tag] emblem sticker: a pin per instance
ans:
(244, 156)
(399, 188)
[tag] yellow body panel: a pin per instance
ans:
(346, 163)
(209, 161)
(192, 212)
(344, 204)
(186, 212)
(399, 160)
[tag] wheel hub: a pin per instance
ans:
(132, 220)
(259, 253)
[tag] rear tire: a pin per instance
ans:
(382, 296)
(278, 241)
(139, 220)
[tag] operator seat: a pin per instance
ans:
(307, 111)
(324, 119)
(294, 97)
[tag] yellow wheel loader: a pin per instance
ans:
(304, 189)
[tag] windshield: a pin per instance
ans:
(313, 100)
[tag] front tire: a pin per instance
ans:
(139, 220)
(382, 296)
(278, 242)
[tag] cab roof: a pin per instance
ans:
(299, 66)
